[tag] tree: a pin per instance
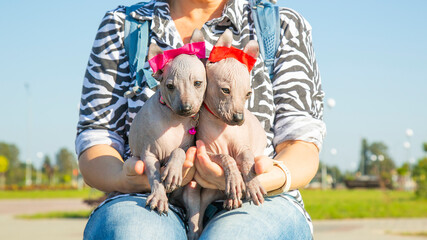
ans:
(11, 152)
(48, 169)
(363, 156)
(420, 175)
(4, 166)
(376, 161)
(66, 162)
(16, 171)
(383, 165)
(404, 169)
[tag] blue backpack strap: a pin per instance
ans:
(267, 24)
(136, 37)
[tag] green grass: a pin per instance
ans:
(408, 234)
(342, 204)
(328, 204)
(75, 214)
(42, 194)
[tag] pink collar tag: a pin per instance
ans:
(159, 61)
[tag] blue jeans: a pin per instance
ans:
(127, 218)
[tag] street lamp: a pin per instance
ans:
(334, 177)
(409, 133)
(331, 104)
(28, 162)
(40, 155)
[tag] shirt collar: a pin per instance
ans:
(231, 15)
(161, 22)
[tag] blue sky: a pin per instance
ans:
(372, 57)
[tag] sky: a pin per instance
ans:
(372, 57)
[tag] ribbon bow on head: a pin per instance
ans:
(219, 53)
(159, 61)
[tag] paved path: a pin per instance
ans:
(369, 229)
(44, 229)
(70, 229)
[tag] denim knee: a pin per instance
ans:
(127, 217)
(277, 218)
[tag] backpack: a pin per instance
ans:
(136, 35)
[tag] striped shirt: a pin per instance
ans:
(289, 106)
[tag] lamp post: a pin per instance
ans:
(40, 155)
(409, 133)
(334, 173)
(28, 161)
(331, 104)
(407, 145)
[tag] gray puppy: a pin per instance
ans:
(232, 134)
(159, 133)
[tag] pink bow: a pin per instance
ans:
(159, 61)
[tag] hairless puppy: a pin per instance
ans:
(231, 133)
(163, 129)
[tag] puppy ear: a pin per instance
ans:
(197, 36)
(225, 40)
(252, 49)
(154, 50)
(158, 75)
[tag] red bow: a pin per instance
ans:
(219, 53)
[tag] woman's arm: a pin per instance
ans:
(301, 158)
(102, 168)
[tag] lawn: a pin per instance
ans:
(328, 204)
(42, 194)
(341, 204)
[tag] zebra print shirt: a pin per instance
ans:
(289, 106)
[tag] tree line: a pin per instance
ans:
(58, 171)
(376, 161)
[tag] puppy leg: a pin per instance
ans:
(172, 175)
(157, 199)
(234, 185)
(191, 199)
(254, 189)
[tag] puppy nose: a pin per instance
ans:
(237, 117)
(186, 108)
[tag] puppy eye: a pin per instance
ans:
(197, 83)
(248, 94)
(170, 86)
(225, 90)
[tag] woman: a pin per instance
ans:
(289, 106)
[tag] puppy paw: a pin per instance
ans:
(254, 190)
(234, 188)
(172, 177)
(158, 201)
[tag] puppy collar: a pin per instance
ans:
(191, 131)
(207, 108)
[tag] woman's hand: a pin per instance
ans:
(211, 175)
(102, 168)
(134, 180)
(208, 174)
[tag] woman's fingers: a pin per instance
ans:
(190, 156)
(263, 164)
(188, 166)
(204, 163)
